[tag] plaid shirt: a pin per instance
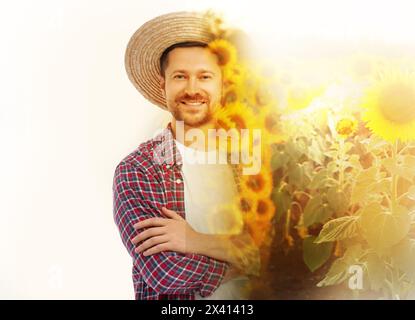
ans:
(144, 181)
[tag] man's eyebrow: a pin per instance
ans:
(206, 71)
(179, 71)
(199, 71)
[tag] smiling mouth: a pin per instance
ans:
(193, 103)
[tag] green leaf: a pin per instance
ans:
(279, 160)
(404, 257)
(409, 164)
(332, 167)
(411, 193)
(338, 200)
(347, 147)
(383, 185)
(409, 161)
(359, 194)
(331, 154)
(354, 162)
(292, 150)
(365, 182)
(384, 229)
(393, 168)
(338, 229)
(301, 145)
(339, 270)
(298, 176)
(318, 179)
(376, 144)
(376, 270)
(316, 211)
(282, 202)
(315, 255)
(314, 152)
(367, 177)
(404, 166)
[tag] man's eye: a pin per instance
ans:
(205, 77)
(178, 76)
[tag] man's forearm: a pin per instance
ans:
(238, 250)
(217, 247)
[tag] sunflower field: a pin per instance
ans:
(333, 206)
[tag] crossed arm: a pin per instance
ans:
(178, 259)
(175, 234)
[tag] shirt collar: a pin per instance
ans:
(166, 151)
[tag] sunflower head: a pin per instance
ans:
(247, 205)
(231, 94)
(225, 52)
(265, 209)
(235, 74)
(346, 127)
(234, 115)
(271, 123)
(390, 105)
(259, 231)
(259, 184)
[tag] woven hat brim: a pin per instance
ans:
(142, 57)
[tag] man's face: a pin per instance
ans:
(192, 85)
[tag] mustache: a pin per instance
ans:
(194, 97)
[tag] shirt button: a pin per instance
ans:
(178, 181)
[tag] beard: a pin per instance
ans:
(192, 115)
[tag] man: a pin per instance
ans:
(156, 193)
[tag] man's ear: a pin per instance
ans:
(162, 85)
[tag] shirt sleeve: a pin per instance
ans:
(136, 198)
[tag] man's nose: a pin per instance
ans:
(191, 87)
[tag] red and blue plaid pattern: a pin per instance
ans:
(144, 181)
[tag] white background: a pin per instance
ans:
(68, 115)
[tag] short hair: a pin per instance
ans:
(164, 57)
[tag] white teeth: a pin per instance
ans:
(193, 103)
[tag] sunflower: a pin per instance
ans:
(345, 127)
(235, 74)
(259, 232)
(247, 205)
(258, 91)
(234, 115)
(265, 209)
(225, 51)
(270, 122)
(232, 93)
(259, 155)
(390, 105)
(233, 118)
(259, 184)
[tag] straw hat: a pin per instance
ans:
(142, 57)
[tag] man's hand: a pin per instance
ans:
(172, 234)
(175, 234)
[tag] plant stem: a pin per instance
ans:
(394, 176)
(340, 159)
(287, 235)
